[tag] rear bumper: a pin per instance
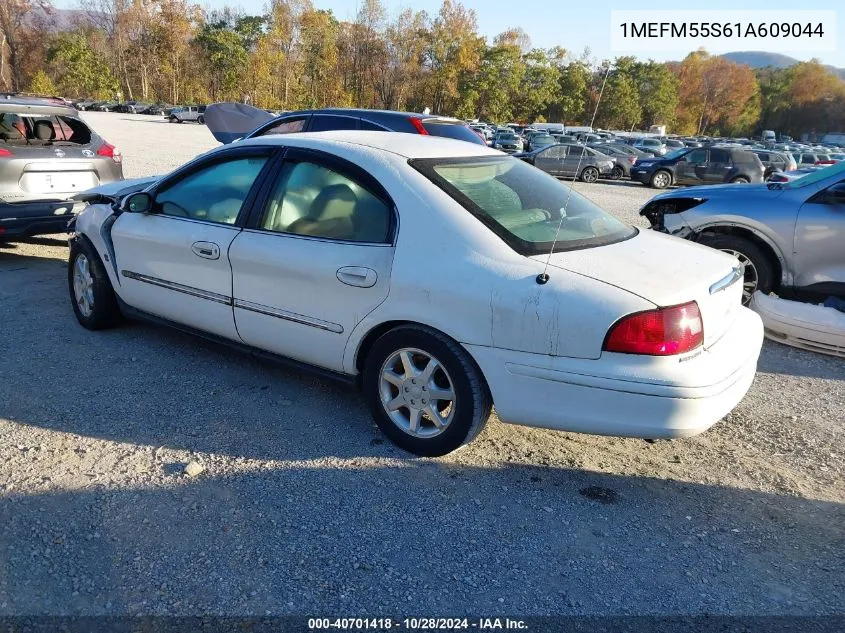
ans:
(36, 218)
(625, 395)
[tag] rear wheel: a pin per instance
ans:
(759, 271)
(171, 119)
(661, 179)
(617, 173)
(590, 174)
(91, 293)
(740, 180)
(201, 120)
(424, 391)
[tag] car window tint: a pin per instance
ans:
(575, 150)
(213, 194)
(555, 152)
(326, 123)
(808, 159)
(452, 130)
(720, 156)
(764, 157)
(368, 125)
(288, 126)
(316, 201)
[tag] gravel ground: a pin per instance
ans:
(302, 507)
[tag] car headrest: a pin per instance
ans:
(44, 131)
(332, 202)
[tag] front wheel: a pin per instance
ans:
(590, 174)
(201, 120)
(759, 272)
(740, 180)
(661, 179)
(93, 299)
(424, 391)
(171, 119)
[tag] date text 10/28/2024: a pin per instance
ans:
(417, 624)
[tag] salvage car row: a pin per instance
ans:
(323, 239)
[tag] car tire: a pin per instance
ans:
(91, 293)
(410, 349)
(171, 119)
(740, 180)
(201, 120)
(661, 179)
(618, 173)
(590, 174)
(759, 271)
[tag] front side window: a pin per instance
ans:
(523, 205)
(313, 200)
(212, 194)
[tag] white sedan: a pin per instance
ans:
(442, 277)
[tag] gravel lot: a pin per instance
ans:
(303, 508)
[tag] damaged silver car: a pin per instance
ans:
(790, 236)
(47, 156)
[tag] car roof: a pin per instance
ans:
(399, 143)
(20, 104)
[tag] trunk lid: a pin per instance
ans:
(666, 271)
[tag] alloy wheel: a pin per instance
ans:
(751, 278)
(83, 285)
(417, 393)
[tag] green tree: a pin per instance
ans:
(42, 84)
(572, 96)
(658, 91)
(224, 52)
(80, 70)
(620, 104)
(540, 86)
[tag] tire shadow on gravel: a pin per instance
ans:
(328, 538)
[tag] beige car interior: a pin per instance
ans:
(316, 201)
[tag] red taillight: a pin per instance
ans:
(4, 152)
(107, 149)
(418, 126)
(661, 332)
(632, 159)
(825, 162)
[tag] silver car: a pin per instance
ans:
(789, 235)
(47, 156)
(187, 113)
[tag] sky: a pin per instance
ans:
(571, 24)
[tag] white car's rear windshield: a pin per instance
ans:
(523, 205)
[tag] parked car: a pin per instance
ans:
(84, 104)
(158, 109)
(47, 154)
(621, 159)
(328, 275)
(775, 161)
(539, 141)
(571, 161)
(789, 236)
(131, 107)
(104, 106)
(812, 158)
(673, 144)
(789, 176)
(699, 166)
(651, 145)
(187, 113)
(232, 121)
(507, 142)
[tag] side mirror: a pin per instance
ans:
(835, 194)
(139, 202)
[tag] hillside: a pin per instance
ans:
(761, 59)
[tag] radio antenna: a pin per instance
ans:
(544, 277)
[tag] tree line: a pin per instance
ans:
(296, 56)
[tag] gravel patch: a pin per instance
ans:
(143, 471)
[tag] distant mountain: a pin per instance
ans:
(761, 59)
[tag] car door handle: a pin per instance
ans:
(357, 276)
(208, 250)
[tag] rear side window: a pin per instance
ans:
(42, 130)
(326, 123)
(452, 130)
(315, 201)
(721, 156)
(288, 126)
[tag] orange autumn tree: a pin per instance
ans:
(716, 96)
